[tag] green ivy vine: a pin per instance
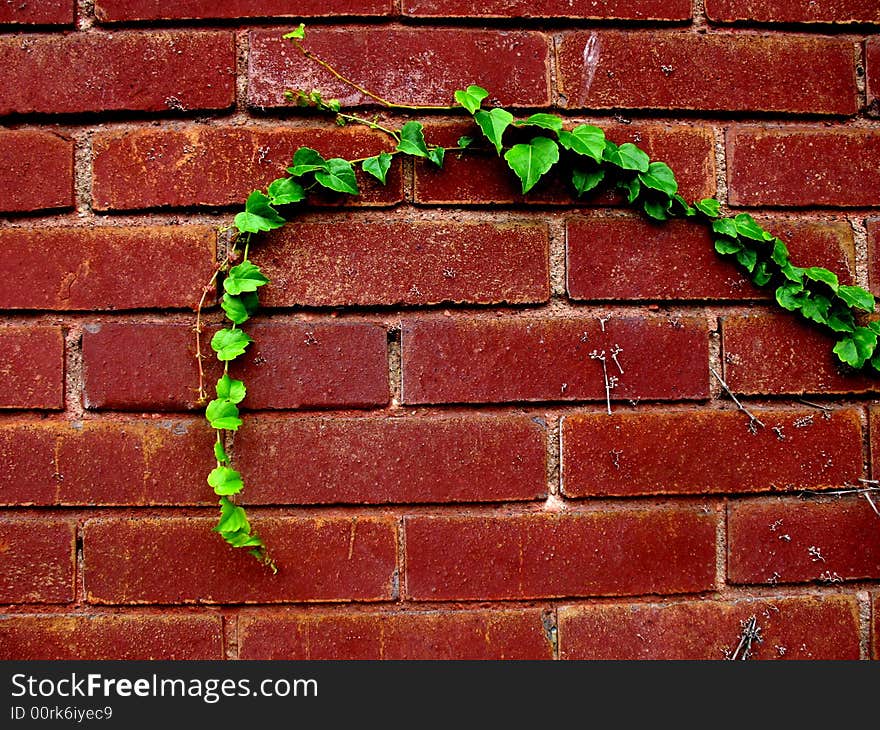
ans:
(592, 163)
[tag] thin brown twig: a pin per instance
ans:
(230, 257)
(753, 419)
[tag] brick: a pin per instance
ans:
(481, 178)
(406, 262)
(600, 553)
(874, 440)
(134, 71)
(875, 616)
(873, 227)
(803, 168)
(119, 636)
(417, 66)
(105, 267)
(42, 12)
(579, 9)
(319, 559)
(105, 462)
(405, 460)
(294, 365)
(837, 12)
(32, 375)
(667, 70)
(801, 627)
(36, 560)
(780, 353)
(872, 61)
(459, 635)
(36, 171)
(212, 166)
(677, 260)
(678, 452)
(112, 11)
(786, 541)
(523, 359)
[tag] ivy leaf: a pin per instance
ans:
(239, 309)
(709, 207)
(659, 177)
(586, 180)
(840, 319)
(817, 273)
(297, 34)
(780, 253)
(229, 344)
(792, 273)
(856, 297)
(306, 160)
(232, 518)
(378, 166)
(544, 121)
(531, 161)
(633, 187)
(493, 123)
(632, 158)
(339, 176)
(816, 308)
(747, 258)
(686, 208)
(258, 215)
(243, 538)
(231, 389)
(790, 296)
(761, 275)
(436, 155)
(656, 209)
(855, 349)
(246, 277)
(220, 452)
(223, 415)
(465, 142)
(285, 190)
(584, 140)
(748, 228)
(225, 480)
(471, 98)
(412, 140)
(727, 246)
(726, 227)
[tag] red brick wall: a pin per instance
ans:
(429, 455)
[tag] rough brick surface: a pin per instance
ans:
(110, 11)
(837, 12)
(580, 9)
(518, 359)
(36, 560)
(666, 70)
(105, 268)
(873, 226)
(32, 374)
(119, 636)
(614, 553)
(799, 542)
(38, 12)
(373, 460)
(709, 451)
(36, 171)
(92, 72)
(872, 61)
(468, 635)
(807, 627)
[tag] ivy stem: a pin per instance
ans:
(370, 124)
(753, 419)
(230, 257)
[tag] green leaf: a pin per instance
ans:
(659, 177)
(465, 142)
(258, 215)
(857, 348)
(817, 273)
(436, 155)
(747, 258)
(246, 277)
(531, 161)
(686, 208)
(242, 538)
(412, 140)
(790, 296)
(840, 319)
(632, 187)
(225, 480)
(339, 176)
(223, 415)
(298, 33)
(792, 273)
(544, 121)
(747, 228)
(815, 307)
(709, 207)
(727, 246)
(586, 180)
(632, 158)
(780, 253)
(856, 297)
(493, 123)
(306, 160)
(232, 518)
(471, 98)
(285, 190)
(231, 389)
(761, 275)
(584, 140)
(229, 344)
(220, 452)
(378, 166)
(239, 309)
(656, 209)
(726, 227)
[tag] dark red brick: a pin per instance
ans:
(36, 171)
(597, 553)
(678, 452)
(786, 541)
(579, 9)
(38, 12)
(105, 462)
(801, 627)
(407, 460)
(523, 359)
(118, 636)
(775, 167)
(36, 560)
(319, 559)
(415, 66)
(32, 375)
(406, 262)
(707, 72)
(482, 178)
(471, 635)
(781, 353)
(837, 12)
(111, 11)
(874, 431)
(211, 166)
(872, 61)
(115, 268)
(292, 365)
(96, 72)
(677, 260)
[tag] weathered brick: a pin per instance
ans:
(416, 66)
(36, 560)
(32, 375)
(776, 353)
(873, 226)
(105, 462)
(609, 553)
(64, 268)
(118, 636)
(678, 452)
(874, 440)
(580, 9)
(677, 260)
(36, 171)
(805, 167)
(41, 12)
(872, 61)
(292, 365)
(112, 11)
(405, 262)
(480, 178)
(668, 70)
(407, 460)
(138, 71)
(802, 627)
(319, 559)
(524, 359)
(786, 541)
(837, 12)
(471, 635)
